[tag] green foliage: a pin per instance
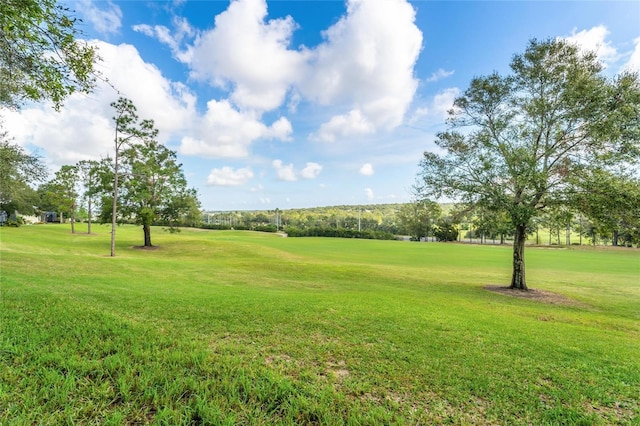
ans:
(339, 233)
(18, 171)
(251, 328)
(61, 193)
(15, 223)
(445, 231)
(374, 217)
(515, 143)
(153, 187)
(419, 218)
(611, 202)
(40, 54)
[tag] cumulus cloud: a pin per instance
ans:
(366, 169)
(364, 65)
(229, 54)
(594, 40)
(369, 193)
(285, 172)
(226, 176)
(342, 126)
(106, 20)
(311, 171)
(367, 61)
(288, 173)
(224, 131)
(439, 75)
(83, 129)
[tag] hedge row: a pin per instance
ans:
(219, 227)
(339, 233)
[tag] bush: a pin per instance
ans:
(445, 231)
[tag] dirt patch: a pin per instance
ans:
(146, 248)
(533, 294)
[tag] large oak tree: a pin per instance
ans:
(516, 142)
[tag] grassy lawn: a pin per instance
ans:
(224, 327)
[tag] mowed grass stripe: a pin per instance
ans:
(231, 327)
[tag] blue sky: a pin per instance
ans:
(285, 104)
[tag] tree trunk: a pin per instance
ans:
(614, 239)
(518, 278)
(89, 221)
(147, 235)
(114, 207)
(73, 222)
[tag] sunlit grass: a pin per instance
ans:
(239, 327)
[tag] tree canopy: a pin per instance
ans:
(154, 188)
(18, 170)
(516, 143)
(41, 56)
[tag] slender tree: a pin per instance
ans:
(88, 174)
(127, 129)
(515, 142)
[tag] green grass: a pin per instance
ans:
(248, 328)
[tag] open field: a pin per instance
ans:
(224, 327)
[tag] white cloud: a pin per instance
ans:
(311, 171)
(443, 101)
(280, 129)
(369, 193)
(83, 129)
(419, 114)
(226, 176)
(265, 200)
(367, 169)
(343, 126)
(438, 109)
(258, 188)
(439, 75)
(633, 64)
(182, 32)
(594, 40)
(285, 173)
(249, 54)
(364, 66)
(367, 61)
(288, 173)
(105, 21)
(227, 132)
